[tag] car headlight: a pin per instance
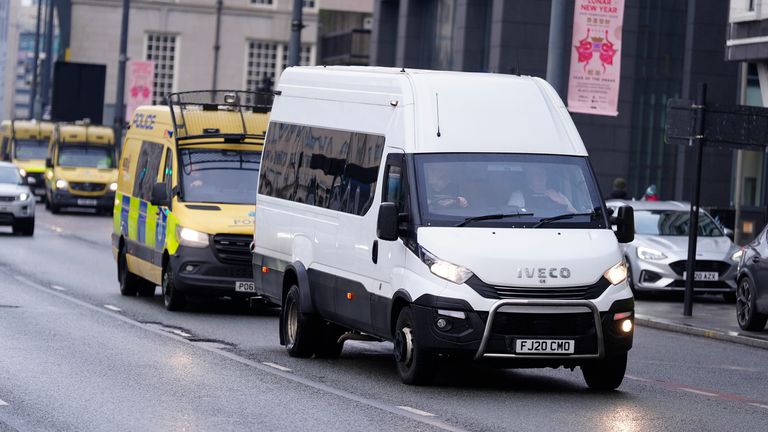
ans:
(616, 274)
(444, 269)
(191, 238)
(113, 187)
(650, 254)
(23, 172)
(737, 255)
(61, 184)
(23, 196)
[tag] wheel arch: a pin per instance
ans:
(400, 300)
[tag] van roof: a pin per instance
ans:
(26, 129)
(474, 112)
(96, 134)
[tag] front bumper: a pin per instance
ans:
(13, 211)
(667, 275)
(595, 334)
(198, 272)
(64, 198)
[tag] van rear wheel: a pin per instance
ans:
(606, 374)
(415, 365)
(298, 328)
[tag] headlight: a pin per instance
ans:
(650, 254)
(61, 184)
(191, 238)
(23, 172)
(616, 274)
(23, 196)
(444, 269)
(737, 255)
(113, 187)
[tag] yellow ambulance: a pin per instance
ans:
(80, 168)
(25, 144)
(185, 201)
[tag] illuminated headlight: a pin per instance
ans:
(737, 255)
(23, 172)
(23, 196)
(113, 187)
(191, 238)
(61, 184)
(649, 254)
(444, 269)
(616, 274)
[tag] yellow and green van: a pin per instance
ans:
(185, 203)
(25, 144)
(80, 168)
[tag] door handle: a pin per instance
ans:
(755, 259)
(375, 252)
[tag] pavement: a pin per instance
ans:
(712, 318)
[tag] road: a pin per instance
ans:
(75, 355)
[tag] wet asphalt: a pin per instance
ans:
(76, 355)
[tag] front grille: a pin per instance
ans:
(720, 267)
(87, 186)
(586, 292)
(700, 284)
(233, 249)
(6, 218)
(533, 324)
(7, 198)
(232, 272)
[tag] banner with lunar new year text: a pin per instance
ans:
(593, 84)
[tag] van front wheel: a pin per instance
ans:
(606, 374)
(172, 298)
(298, 329)
(415, 365)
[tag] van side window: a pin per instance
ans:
(146, 169)
(327, 168)
(168, 171)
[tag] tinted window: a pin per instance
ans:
(326, 168)
(86, 156)
(9, 174)
(31, 149)
(673, 223)
(219, 176)
(168, 171)
(146, 169)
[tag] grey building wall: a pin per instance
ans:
(511, 36)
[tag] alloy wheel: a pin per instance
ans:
(743, 301)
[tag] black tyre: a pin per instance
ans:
(729, 297)
(746, 306)
(24, 227)
(172, 298)
(327, 345)
(631, 280)
(128, 281)
(54, 208)
(415, 365)
(606, 374)
(298, 328)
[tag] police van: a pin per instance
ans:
(183, 215)
(25, 144)
(455, 214)
(81, 170)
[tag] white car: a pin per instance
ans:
(17, 203)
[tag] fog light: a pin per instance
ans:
(626, 326)
(442, 323)
(189, 268)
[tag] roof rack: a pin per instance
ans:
(189, 122)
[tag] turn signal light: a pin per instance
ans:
(350, 296)
(265, 269)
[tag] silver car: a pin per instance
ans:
(658, 255)
(17, 203)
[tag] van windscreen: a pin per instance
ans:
(525, 188)
(27, 149)
(86, 156)
(219, 176)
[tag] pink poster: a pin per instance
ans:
(593, 85)
(140, 76)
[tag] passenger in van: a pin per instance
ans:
(442, 192)
(537, 195)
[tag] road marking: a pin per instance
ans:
(3, 403)
(277, 366)
(759, 405)
(113, 308)
(697, 391)
(636, 378)
(58, 288)
(416, 411)
(181, 333)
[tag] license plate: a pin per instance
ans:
(245, 287)
(544, 346)
(87, 202)
(702, 276)
(39, 191)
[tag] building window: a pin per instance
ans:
(261, 65)
(306, 57)
(161, 48)
(751, 5)
(309, 4)
(261, 2)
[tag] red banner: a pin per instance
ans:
(140, 79)
(593, 85)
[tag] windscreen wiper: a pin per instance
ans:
(490, 217)
(547, 220)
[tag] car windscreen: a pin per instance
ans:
(219, 176)
(673, 223)
(87, 156)
(10, 174)
(452, 187)
(26, 149)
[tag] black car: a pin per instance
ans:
(752, 288)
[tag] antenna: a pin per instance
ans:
(437, 105)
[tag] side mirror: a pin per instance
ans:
(386, 226)
(728, 233)
(49, 163)
(625, 224)
(159, 196)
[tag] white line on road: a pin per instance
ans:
(697, 391)
(277, 366)
(416, 411)
(636, 378)
(759, 405)
(181, 333)
(3, 403)
(58, 288)
(113, 308)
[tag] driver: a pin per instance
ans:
(441, 190)
(536, 195)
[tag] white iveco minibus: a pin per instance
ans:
(455, 214)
